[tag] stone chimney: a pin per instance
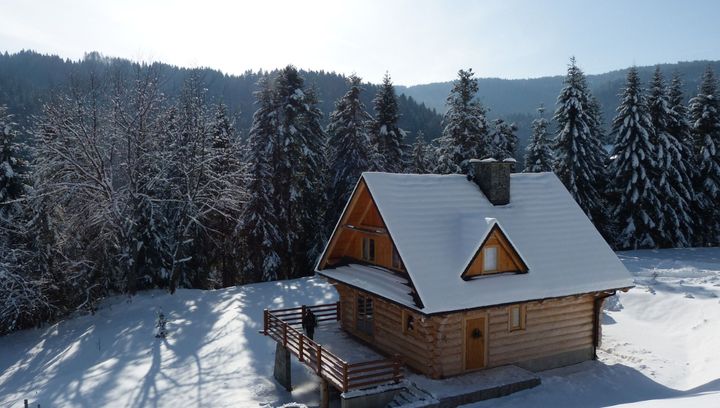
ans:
(493, 177)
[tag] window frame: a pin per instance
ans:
(365, 315)
(521, 314)
(368, 249)
(408, 317)
(485, 269)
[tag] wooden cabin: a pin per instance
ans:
(458, 273)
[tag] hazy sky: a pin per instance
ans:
(417, 41)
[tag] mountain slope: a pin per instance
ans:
(510, 96)
(27, 79)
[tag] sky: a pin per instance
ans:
(416, 41)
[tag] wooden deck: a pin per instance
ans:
(284, 326)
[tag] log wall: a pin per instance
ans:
(436, 347)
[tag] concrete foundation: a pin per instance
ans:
(370, 400)
(558, 360)
(282, 368)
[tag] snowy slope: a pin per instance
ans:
(213, 355)
(660, 348)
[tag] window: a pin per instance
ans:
(368, 249)
(516, 317)
(490, 259)
(364, 315)
(396, 261)
(408, 322)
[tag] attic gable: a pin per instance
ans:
(496, 254)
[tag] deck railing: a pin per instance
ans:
(282, 326)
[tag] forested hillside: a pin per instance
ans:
(27, 79)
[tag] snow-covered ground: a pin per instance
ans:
(660, 348)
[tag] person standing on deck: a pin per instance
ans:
(308, 323)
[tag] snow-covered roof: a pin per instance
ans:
(437, 223)
(376, 280)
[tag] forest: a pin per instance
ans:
(117, 183)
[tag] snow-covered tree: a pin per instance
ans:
(13, 168)
(635, 169)
(503, 140)
(385, 135)
(419, 162)
(673, 181)
(579, 157)
(678, 123)
(260, 231)
(298, 169)
(466, 132)
(705, 125)
(538, 154)
(349, 148)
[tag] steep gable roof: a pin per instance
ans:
(437, 223)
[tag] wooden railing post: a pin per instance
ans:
(266, 321)
(337, 311)
(345, 377)
(319, 358)
(285, 334)
(396, 368)
(302, 345)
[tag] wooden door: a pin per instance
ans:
(475, 343)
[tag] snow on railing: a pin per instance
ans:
(281, 325)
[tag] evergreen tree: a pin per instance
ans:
(466, 133)
(298, 170)
(419, 162)
(504, 140)
(349, 148)
(538, 154)
(674, 181)
(13, 169)
(385, 135)
(705, 125)
(579, 158)
(259, 227)
(634, 170)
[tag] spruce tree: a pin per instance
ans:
(538, 154)
(674, 181)
(13, 167)
(385, 135)
(705, 126)
(634, 170)
(349, 149)
(465, 133)
(504, 140)
(260, 229)
(298, 170)
(419, 162)
(579, 158)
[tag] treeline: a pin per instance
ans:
(28, 79)
(660, 184)
(128, 188)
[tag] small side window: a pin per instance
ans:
(368, 249)
(490, 259)
(408, 322)
(516, 317)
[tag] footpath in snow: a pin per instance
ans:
(660, 348)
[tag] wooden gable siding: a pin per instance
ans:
(361, 220)
(507, 258)
(553, 327)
